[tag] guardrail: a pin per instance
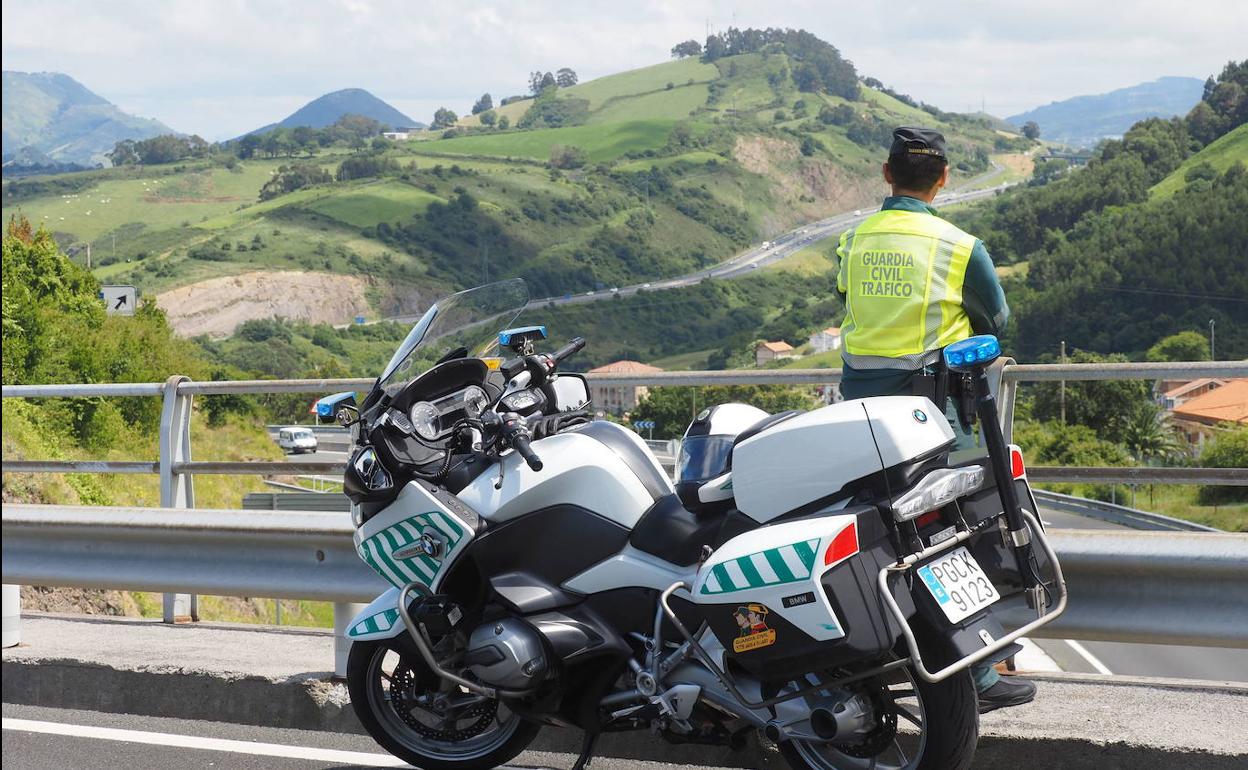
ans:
(1150, 587)
(177, 471)
(1116, 514)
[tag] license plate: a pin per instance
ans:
(958, 585)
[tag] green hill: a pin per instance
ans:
(632, 177)
(1148, 240)
(1216, 158)
(50, 117)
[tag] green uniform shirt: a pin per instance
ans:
(982, 299)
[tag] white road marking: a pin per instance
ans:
(1092, 660)
(1032, 658)
(207, 744)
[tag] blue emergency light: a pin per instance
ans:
(972, 352)
(328, 406)
(506, 336)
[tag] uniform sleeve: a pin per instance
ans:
(842, 258)
(982, 296)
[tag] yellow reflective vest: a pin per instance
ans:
(902, 274)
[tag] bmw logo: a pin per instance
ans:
(431, 546)
(920, 416)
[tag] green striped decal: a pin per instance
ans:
(775, 566)
(382, 621)
(378, 550)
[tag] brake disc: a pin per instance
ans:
(405, 694)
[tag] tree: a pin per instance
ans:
(1229, 449)
(535, 82)
(489, 118)
(504, 122)
(567, 156)
(248, 146)
(687, 48)
(565, 77)
(443, 118)
(1031, 130)
(123, 153)
(1104, 406)
(486, 102)
(1148, 435)
(548, 81)
(1184, 346)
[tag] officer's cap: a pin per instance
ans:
(917, 141)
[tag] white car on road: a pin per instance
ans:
(296, 440)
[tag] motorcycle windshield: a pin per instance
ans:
(471, 319)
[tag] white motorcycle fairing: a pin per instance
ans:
(416, 538)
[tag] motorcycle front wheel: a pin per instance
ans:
(426, 722)
(936, 727)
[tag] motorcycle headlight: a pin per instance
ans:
(936, 490)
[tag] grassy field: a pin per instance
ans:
(371, 204)
(159, 201)
(640, 81)
(601, 143)
(1222, 153)
(675, 104)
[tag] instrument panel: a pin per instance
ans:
(431, 420)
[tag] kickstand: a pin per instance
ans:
(587, 751)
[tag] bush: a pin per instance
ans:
(1227, 450)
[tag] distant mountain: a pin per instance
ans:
(326, 110)
(1085, 120)
(53, 119)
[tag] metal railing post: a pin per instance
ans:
(343, 614)
(1005, 390)
(177, 489)
(12, 616)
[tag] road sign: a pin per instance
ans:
(119, 300)
(644, 424)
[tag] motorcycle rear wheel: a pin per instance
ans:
(390, 717)
(938, 728)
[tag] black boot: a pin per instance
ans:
(1008, 691)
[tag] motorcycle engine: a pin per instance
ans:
(508, 654)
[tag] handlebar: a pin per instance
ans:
(516, 432)
(573, 347)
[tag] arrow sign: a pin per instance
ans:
(119, 300)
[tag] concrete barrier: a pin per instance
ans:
(269, 676)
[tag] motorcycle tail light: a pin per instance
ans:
(1017, 469)
(843, 546)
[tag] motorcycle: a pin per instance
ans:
(822, 579)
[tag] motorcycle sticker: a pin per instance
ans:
(752, 620)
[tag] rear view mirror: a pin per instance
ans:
(569, 392)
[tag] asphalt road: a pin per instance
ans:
(45, 739)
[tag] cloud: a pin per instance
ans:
(225, 67)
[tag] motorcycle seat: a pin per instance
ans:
(675, 534)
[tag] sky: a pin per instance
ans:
(224, 67)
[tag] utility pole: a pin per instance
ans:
(1062, 397)
(88, 256)
(1213, 351)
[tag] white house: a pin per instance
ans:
(826, 340)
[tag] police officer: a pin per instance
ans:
(913, 283)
